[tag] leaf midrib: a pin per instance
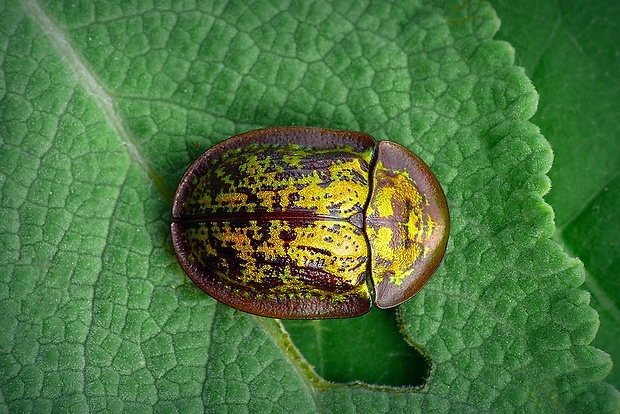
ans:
(83, 73)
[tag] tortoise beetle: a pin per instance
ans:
(289, 222)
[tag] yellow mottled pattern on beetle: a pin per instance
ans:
(267, 178)
(272, 259)
(402, 225)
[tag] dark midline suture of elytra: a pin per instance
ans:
(301, 216)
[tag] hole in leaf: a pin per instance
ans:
(369, 349)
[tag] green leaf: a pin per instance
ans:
(369, 349)
(571, 52)
(103, 106)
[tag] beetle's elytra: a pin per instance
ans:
(287, 222)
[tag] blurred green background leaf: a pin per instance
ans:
(571, 51)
